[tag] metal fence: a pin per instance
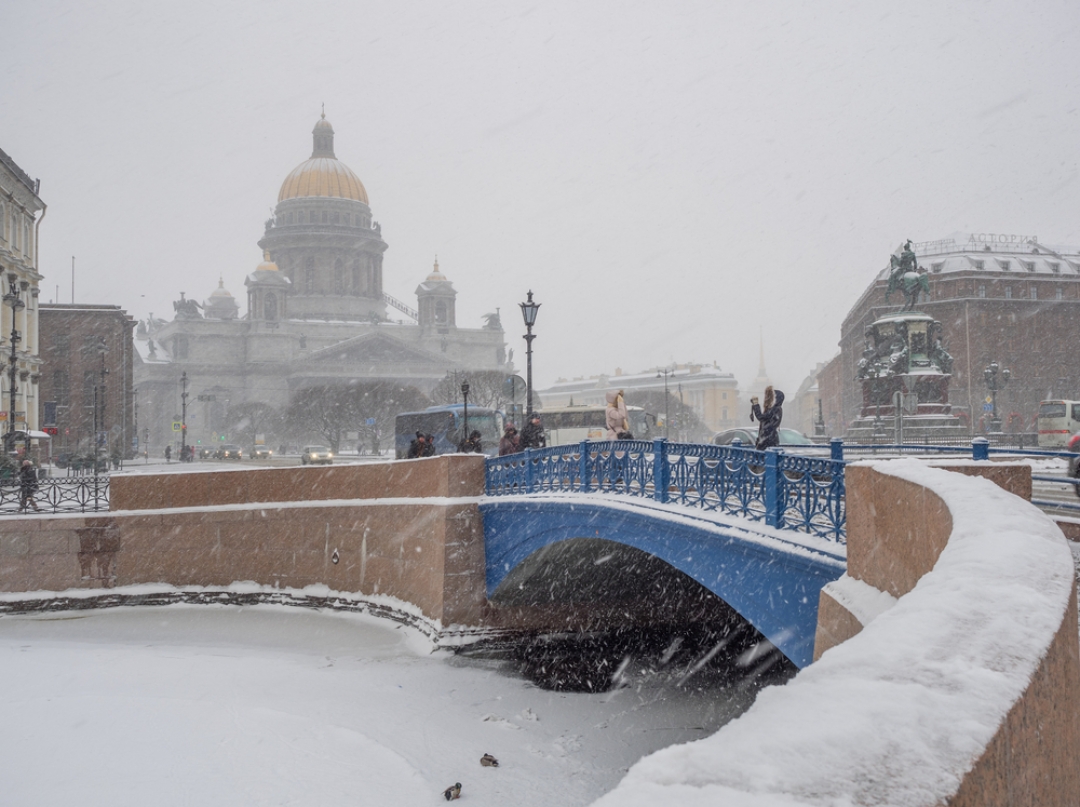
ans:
(73, 494)
(785, 490)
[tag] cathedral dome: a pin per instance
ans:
(323, 175)
(267, 265)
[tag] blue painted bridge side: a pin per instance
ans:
(772, 583)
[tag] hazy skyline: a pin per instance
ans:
(666, 178)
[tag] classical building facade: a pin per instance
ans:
(86, 385)
(712, 393)
(20, 205)
(316, 314)
(1005, 298)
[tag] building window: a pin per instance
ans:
(1029, 265)
(339, 277)
(270, 311)
(1055, 267)
(1008, 292)
(980, 264)
(1004, 265)
(982, 290)
(60, 388)
(1034, 292)
(1058, 295)
(325, 217)
(89, 380)
(180, 347)
(337, 218)
(311, 217)
(288, 218)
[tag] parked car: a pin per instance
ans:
(316, 455)
(788, 437)
(261, 453)
(228, 451)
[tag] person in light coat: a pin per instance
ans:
(618, 421)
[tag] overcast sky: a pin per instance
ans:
(668, 178)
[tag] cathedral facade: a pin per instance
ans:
(316, 314)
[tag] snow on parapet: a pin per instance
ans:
(900, 713)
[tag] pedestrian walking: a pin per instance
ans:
(532, 436)
(28, 486)
(429, 446)
(618, 421)
(510, 442)
(168, 453)
(768, 418)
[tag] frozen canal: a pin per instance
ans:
(218, 705)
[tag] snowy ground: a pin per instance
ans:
(216, 705)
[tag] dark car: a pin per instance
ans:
(261, 453)
(205, 453)
(229, 452)
(788, 437)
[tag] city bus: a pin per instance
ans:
(564, 425)
(1058, 421)
(447, 425)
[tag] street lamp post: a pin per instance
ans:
(183, 416)
(13, 299)
(996, 378)
(665, 374)
(465, 397)
(528, 311)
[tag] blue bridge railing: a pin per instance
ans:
(787, 491)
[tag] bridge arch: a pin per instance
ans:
(772, 584)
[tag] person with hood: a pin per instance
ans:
(472, 445)
(618, 421)
(768, 418)
(532, 436)
(429, 446)
(509, 442)
(416, 447)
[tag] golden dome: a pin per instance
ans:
(267, 265)
(221, 291)
(323, 176)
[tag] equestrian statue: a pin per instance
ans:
(907, 277)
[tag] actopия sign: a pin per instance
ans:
(1002, 239)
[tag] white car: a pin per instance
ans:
(316, 455)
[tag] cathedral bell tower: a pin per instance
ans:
(435, 301)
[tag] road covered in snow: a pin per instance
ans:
(226, 705)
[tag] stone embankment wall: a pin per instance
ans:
(949, 671)
(406, 530)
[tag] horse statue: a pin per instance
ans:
(906, 277)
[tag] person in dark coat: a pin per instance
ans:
(416, 447)
(28, 485)
(532, 436)
(472, 445)
(429, 446)
(768, 418)
(509, 444)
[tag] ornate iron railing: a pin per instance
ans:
(788, 491)
(69, 494)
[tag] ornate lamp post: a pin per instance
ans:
(13, 299)
(528, 311)
(997, 378)
(465, 397)
(665, 374)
